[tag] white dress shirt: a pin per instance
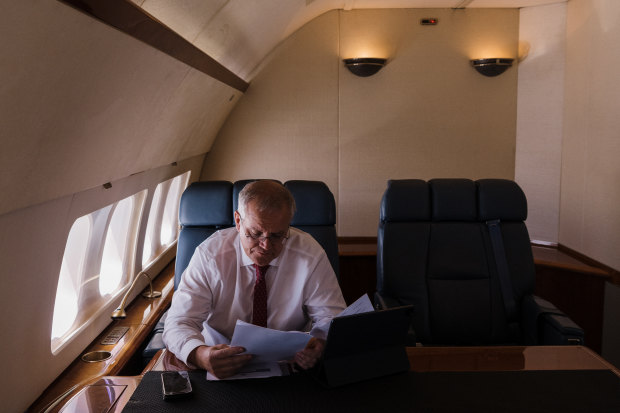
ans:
(217, 289)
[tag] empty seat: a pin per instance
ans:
(437, 250)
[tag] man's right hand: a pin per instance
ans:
(220, 360)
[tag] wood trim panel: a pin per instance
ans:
(137, 23)
(614, 275)
(142, 315)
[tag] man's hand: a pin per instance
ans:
(221, 360)
(308, 357)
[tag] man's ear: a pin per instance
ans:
(237, 220)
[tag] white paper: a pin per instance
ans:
(254, 370)
(268, 345)
(361, 305)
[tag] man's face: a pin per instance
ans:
(262, 233)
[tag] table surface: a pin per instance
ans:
(115, 391)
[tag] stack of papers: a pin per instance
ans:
(272, 348)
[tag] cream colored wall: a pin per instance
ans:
(589, 208)
(287, 123)
(540, 105)
(82, 104)
(426, 114)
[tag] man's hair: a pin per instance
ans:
(267, 196)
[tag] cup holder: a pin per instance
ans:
(96, 356)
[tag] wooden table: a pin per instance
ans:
(113, 392)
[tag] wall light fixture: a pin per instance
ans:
(492, 66)
(364, 66)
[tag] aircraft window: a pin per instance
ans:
(169, 225)
(99, 257)
(112, 268)
(148, 248)
(71, 270)
(162, 227)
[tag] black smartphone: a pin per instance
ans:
(175, 384)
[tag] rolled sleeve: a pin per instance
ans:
(190, 306)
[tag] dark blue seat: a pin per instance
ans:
(436, 251)
(316, 215)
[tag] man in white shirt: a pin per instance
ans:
(217, 288)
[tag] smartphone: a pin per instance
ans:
(175, 384)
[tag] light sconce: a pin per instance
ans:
(120, 311)
(364, 66)
(491, 67)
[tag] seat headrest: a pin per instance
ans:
(315, 203)
(207, 203)
(501, 199)
(406, 200)
(453, 199)
(238, 186)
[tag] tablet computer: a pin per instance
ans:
(366, 345)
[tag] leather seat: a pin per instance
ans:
(316, 215)
(205, 208)
(437, 251)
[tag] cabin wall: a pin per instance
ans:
(32, 244)
(540, 110)
(426, 114)
(82, 103)
(589, 213)
(589, 218)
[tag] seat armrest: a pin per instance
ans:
(544, 324)
(558, 329)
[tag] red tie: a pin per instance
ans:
(259, 315)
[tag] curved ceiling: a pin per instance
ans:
(239, 34)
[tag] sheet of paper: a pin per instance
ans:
(361, 305)
(254, 370)
(268, 345)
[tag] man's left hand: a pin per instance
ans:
(308, 357)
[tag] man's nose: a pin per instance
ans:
(265, 242)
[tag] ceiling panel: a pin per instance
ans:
(239, 34)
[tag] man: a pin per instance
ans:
(218, 286)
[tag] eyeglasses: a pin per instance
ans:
(274, 238)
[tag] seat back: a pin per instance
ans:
(316, 215)
(434, 251)
(205, 208)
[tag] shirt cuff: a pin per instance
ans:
(187, 349)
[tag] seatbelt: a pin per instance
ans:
(502, 269)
